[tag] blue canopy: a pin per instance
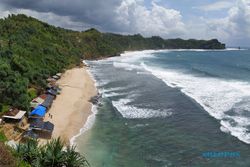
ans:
(40, 111)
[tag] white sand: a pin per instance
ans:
(71, 108)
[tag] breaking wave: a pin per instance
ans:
(129, 111)
(218, 97)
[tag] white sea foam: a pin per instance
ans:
(134, 56)
(126, 66)
(233, 49)
(216, 96)
(113, 89)
(129, 111)
(101, 83)
(128, 60)
(137, 54)
(112, 94)
(90, 73)
(241, 132)
(89, 123)
(143, 73)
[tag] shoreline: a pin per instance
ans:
(91, 118)
(71, 109)
(87, 126)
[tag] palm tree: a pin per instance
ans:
(74, 159)
(29, 151)
(52, 154)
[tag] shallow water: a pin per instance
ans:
(167, 108)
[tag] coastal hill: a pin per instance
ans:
(31, 51)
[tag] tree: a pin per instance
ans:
(51, 154)
(74, 159)
(28, 152)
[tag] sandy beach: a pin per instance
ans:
(71, 108)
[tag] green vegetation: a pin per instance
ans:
(31, 51)
(4, 108)
(32, 93)
(96, 44)
(52, 154)
(2, 137)
(6, 157)
(24, 164)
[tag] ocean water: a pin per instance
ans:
(167, 108)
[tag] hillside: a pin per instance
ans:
(31, 51)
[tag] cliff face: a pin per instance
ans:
(31, 51)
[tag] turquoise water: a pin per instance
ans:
(167, 108)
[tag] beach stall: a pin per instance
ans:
(43, 96)
(38, 112)
(52, 92)
(48, 101)
(59, 75)
(51, 80)
(13, 116)
(55, 77)
(42, 129)
(57, 89)
(50, 85)
(36, 102)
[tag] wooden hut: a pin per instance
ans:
(14, 115)
(48, 101)
(36, 102)
(42, 129)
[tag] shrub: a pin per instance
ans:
(2, 137)
(6, 158)
(32, 93)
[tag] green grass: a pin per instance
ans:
(4, 108)
(24, 164)
(32, 93)
(2, 137)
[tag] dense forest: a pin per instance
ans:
(31, 51)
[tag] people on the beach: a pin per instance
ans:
(50, 115)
